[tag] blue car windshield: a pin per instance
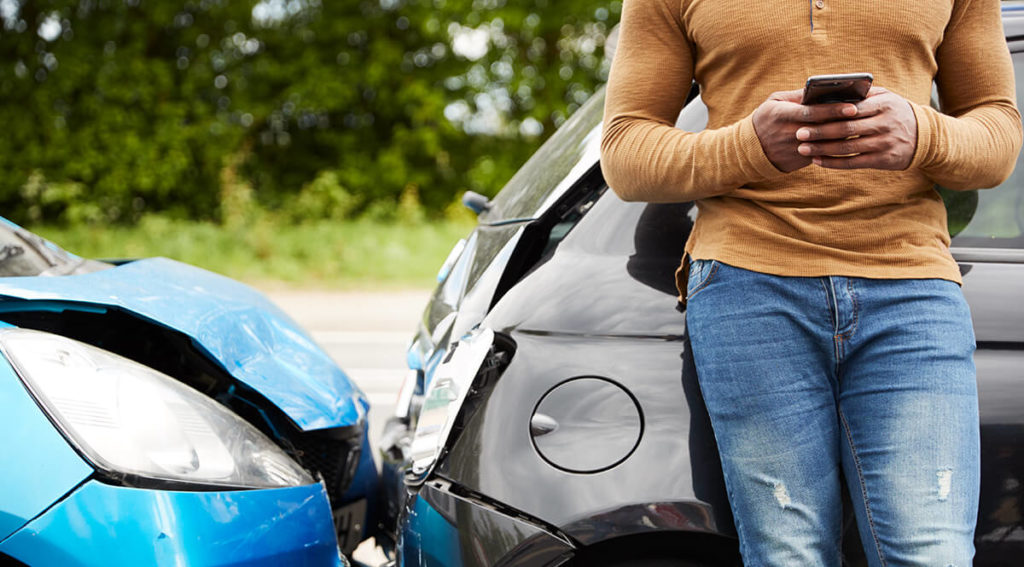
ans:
(22, 253)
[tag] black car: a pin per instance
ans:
(551, 416)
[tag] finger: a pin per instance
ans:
(832, 148)
(816, 113)
(842, 129)
(877, 101)
(873, 160)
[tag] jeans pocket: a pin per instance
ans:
(702, 272)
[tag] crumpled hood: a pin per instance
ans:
(241, 329)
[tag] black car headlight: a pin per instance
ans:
(129, 420)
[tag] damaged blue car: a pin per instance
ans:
(154, 414)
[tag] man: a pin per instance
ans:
(824, 310)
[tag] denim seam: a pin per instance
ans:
(856, 311)
(863, 487)
(834, 316)
(828, 302)
(837, 342)
(737, 523)
(705, 282)
(835, 305)
(735, 514)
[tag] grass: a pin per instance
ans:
(356, 254)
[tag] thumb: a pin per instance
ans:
(788, 96)
(875, 91)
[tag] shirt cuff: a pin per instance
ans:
(759, 167)
(924, 135)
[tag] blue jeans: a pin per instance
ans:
(807, 377)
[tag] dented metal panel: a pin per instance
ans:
(237, 326)
(99, 524)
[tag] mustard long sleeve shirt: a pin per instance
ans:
(813, 221)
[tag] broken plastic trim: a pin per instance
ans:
(451, 383)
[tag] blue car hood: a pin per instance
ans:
(236, 325)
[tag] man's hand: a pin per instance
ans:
(779, 118)
(882, 136)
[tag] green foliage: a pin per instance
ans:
(63, 201)
(315, 254)
(323, 198)
(214, 109)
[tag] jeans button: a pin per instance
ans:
(819, 3)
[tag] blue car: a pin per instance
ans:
(157, 414)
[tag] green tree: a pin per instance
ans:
(118, 100)
(112, 108)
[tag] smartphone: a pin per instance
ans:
(851, 87)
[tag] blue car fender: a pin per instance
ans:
(38, 467)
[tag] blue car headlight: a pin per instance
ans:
(132, 422)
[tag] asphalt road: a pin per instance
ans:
(367, 334)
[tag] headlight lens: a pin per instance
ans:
(443, 398)
(131, 420)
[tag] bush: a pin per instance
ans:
(322, 199)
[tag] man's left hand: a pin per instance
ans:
(882, 135)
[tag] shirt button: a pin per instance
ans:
(820, 3)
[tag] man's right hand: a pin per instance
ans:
(777, 119)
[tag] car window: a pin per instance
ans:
(540, 175)
(991, 218)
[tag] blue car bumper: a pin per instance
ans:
(100, 524)
(53, 512)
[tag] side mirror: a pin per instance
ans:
(475, 202)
